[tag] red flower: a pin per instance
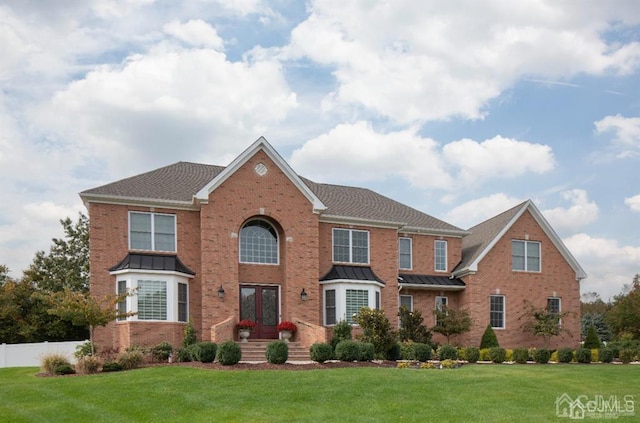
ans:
(246, 324)
(286, 325)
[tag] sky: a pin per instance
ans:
(460, 109)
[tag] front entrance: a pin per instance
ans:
(260, 304)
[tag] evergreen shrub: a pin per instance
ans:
(367, 352)
(277, 352)
(348, 350)
(565, 355)
(542, 356)
(229, 353)
(472, 354)
(605, 355)
(321, 352)
(583, 355)
(447, 352)
(421, 352)
(497, 354)
(207, 352)
(489, 338)
(520, 355)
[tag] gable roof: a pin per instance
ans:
(485, 235)
(184, 184)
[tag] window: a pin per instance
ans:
(525, 256)
(152, 300)
(183, 295)
(406, 301)
(350, 246)
(404, 253)
(496, 311)
(152, 231)
(377, 300)
(122, 304)
(554, 307)
(356, 299)
(330, 306)
(441, 303)
(258, 243)
(441, 256)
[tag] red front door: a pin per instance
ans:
(260, 304)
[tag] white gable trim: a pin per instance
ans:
(548, 230)
(260, 144)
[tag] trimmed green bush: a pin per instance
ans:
(111, 366)
(447, 352)
(194, 351)
(484, 354)
(348, 350)
(207, 352)
(50, 362)
(229, 353)
(565, 355)
(605, 355)
(183, 355)
(627, 355)
(392, 353)
(592, 340)
(422, 352)
(131, 359)
(64, 369)
(162, 351)
(472, 354)
(520, 355)
(406, 350)
(542, 356)
(583, 355)
(341, 332)
(497, 354)
(321, 352)
(277, 352)
(489, 338)
(367, 352)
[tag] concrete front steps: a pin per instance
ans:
(255, 350)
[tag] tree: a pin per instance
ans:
(67, 263)
(598, 322)
(411, 327)
(376, 329)
(542, 322)
(489, 339)
(624, 315)
(591, 303)
(592, 340)
(85, 310)
(451, 322)
(4, 274)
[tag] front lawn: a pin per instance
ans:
(171, 393)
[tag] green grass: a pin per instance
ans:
(476, 393)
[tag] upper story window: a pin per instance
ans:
(404, 253)
(152, 231)
(441, 256)
(525, 255)
(350, 246)
(258, 243)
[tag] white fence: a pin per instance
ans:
(29, 355)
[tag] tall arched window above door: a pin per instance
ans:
(258, 243)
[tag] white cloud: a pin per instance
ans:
(478, 210)
(626, 141)
(196, 32)
(610, 266)
(582, 212)
(633, 203)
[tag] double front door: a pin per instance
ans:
(260, 304)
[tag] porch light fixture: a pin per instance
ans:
(221, 292)
(303, 295)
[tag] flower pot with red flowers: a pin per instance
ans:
(245, 327)
(286, 329)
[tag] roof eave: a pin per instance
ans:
(137, 201)
(457, 233)
(432, 287)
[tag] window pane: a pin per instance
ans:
(122, 305)
(182, 302)
(152, 300)
(248, 307)
(517, 255)
(341, 245)
(441, 256)
(406, 301)
(140, 231)
(404, 253)
(533, 256)
(164, 232)
(330, 306)
(258, 243)
(356, 299)
(269, 307)
(360, 253)
(496, 313)
(553, 305)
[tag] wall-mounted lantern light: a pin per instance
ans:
(221, 292)
(303, 295)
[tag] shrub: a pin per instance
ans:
(542, 356)
(627, 355)
(594, 356)
(428, 365)
(194, 351)
(605, 355)
(392, 354)
(189, 334)
(447, 352)
(565, 355)
(422, 352)
(111, 366)
(509, 355)
(376, 329)
(484, 354)
(448, 364)
(520, 355)
(49, 362)
(472, 354)
(229, 353)
(497, 354)
(109, 354)
(277, 352)
(131, 359)
(583, 355)
(403, 365)
(411, 327)
(348, 350)
(162, 351)
(183, 355)
(64, 369)
(207, 352)
(321, 352)
(406, 351)
(341, 332)
(367, 352)
(87, 365)
(84, 350)
(592, 340)
(489, 338)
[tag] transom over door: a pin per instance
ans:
(260, 304)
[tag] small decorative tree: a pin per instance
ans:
(376, 329)
(451, 322)
(189, 334)
(411, 327)
(542, 322)
(489, 339)
(592, 340)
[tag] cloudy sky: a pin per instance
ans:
(460, 109)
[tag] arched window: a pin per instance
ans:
(258, 243)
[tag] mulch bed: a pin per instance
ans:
(286, 366)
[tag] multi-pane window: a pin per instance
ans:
(554, 306)
(330, 306)
(258, 243)
(441, 304)
(152, 231)
(356, 299)
(525, 255)
(406, 301)
(496, 311)
(122, 304)
(350, 246)
(152, 300)
(404, 253)
(183, 300)
(441, 256)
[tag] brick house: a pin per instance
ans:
(255, 240)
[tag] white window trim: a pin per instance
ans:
(410, 297)
(446, 255)
(277, 263)
(504, 311)
(153, 243)
(526, 266)
(351, 231)
(341, 287)
(559, 306)
(410, 253)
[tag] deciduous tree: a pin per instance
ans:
(451, 322)
(624, 316)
